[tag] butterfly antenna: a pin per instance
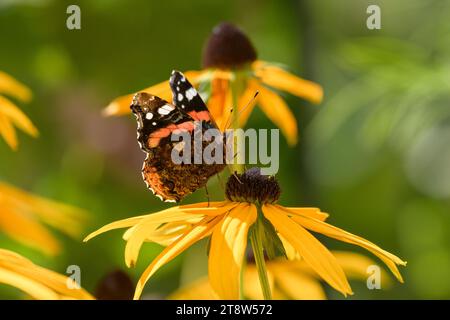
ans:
(249, 103)
(207, 193)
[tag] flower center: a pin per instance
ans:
(252, 186)
(227, 48)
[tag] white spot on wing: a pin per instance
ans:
(165, 109)
(154, 123)
(180, 97)
(191, 93)
(149, 116)
(169, 200)
(159, 197)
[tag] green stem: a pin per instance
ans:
(258, 251)
(237, 87)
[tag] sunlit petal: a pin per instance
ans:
(333, 232)
(28, 231)
(278, 78)
(197, 290)
(17, 117)
(36, 281)
(197, 232)
(7, 132)
(228, 244)
(311, 250)
(297, 285)
(279, 113)
(246, 105)
(172, 214)
(314, 213)
(252, 285)
(13, 88)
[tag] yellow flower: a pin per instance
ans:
(38, 282)
(288, 280)
(231, 69)
(251, 202)
(10, 114)
(22, 215)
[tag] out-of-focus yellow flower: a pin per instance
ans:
(22, 215)
(251, 199)
(38, 282)
(288, 279)
(231, 69)
(10, 114)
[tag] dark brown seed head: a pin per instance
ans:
(252, 186)
(227, 48)
(116, 285)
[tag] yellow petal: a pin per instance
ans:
(314, 213)
(172, 214)
(279, 113)
(356, 266)
(168, 233)
(121, 105)
(219, 103)
(7, 256)
(298, 286)
(252, 285)
(13, 88)
(291, 253)
(246, 105)
(32, 288)
(228, 244)
(196, 233)
(333, 232)
(281, 79)
(197, 290)
(28, 231)
(63, 217)
(143, 230)
(40, 283)
(311, 250)
(8, 133)
(8, 109)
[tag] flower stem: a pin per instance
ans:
(258, 251)
(237, 87)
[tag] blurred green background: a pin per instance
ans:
(375, 154)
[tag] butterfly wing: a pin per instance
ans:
(187, 99)
(157, 119)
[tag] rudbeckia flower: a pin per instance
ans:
(37, 282)
(22, 215)
(289, 279)
(230, 77)
(10, 114)
(250, 205)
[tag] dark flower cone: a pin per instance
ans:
(252, 187)
(116, 285)
(228, 48)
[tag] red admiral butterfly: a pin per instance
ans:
(157, 120)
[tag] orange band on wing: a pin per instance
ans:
(200, 116)
(159, 134)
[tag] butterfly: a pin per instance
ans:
(157, 120)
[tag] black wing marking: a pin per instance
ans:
(185, 97)
(152, 114)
